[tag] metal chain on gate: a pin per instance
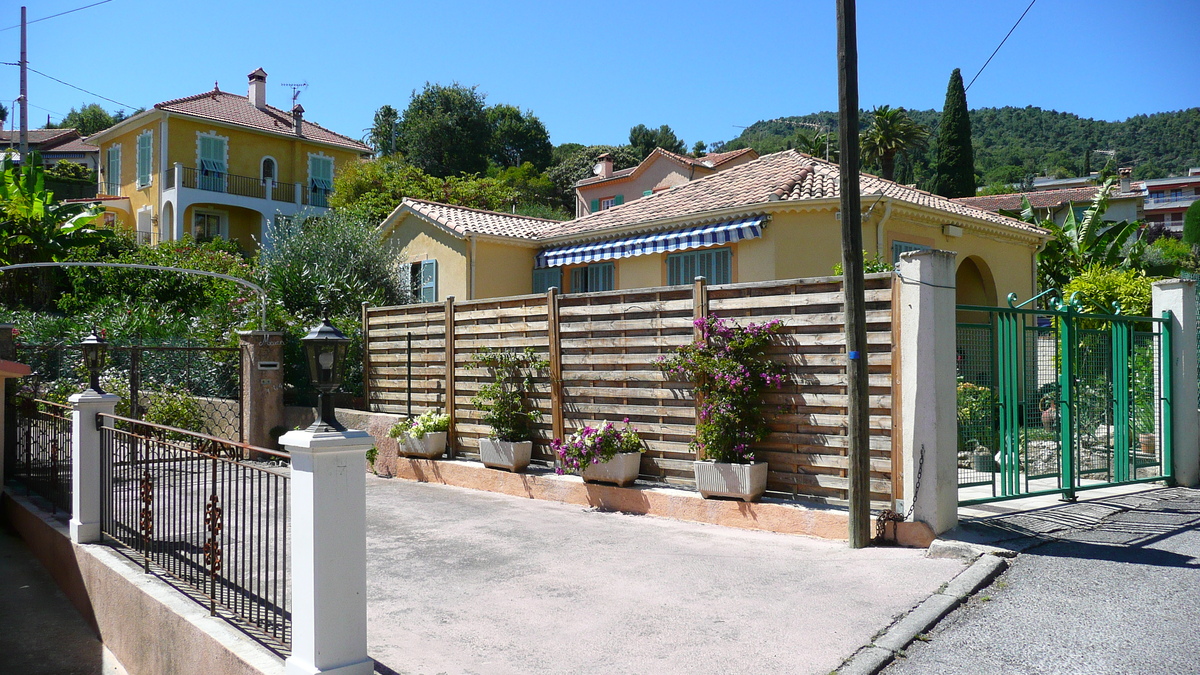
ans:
(889, 516)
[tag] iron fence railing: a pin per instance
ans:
(43, 457)
(208, 513)
(283, 192)
(242, 186)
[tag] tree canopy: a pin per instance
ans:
(373, 189)
(955, 168)
(382, 136)
(892, 132)
(518, 137)
(89, 118)
(445, 130)
(643, 140)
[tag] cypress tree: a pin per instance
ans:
(955, 158)
(1191, 224)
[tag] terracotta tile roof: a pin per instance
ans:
(708, 161)
(222, 106)
(465, 220)
(1042, 199)
(73, 145)
(788, 175)
(38, 137)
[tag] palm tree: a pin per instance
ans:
(892, 133)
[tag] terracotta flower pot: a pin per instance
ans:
(746, 482)
(499, 454)
(622, 469)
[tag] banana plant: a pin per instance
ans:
(1080, 243)
(34, 227)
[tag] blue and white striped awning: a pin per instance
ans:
(655, 242)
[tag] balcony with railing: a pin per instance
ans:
(1169, 201)
(207, 180)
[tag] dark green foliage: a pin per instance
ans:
(89, 118)
(70, 171)
(644, 140)
(564, 151)
(384, 132)
(504, 399)
(699, 149)
(371, 190)
(892, 132)
(955, 167)
(445, 130)
(518, 137)
(1191, 224)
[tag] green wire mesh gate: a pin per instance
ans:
(1057, 400)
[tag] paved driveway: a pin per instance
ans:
(1110, 586)
(461, 581)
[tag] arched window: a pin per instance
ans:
(268, 169)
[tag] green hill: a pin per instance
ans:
(1012, 144)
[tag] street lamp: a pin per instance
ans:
(94, 351)
(325, 351)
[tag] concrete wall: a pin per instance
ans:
(150, 627)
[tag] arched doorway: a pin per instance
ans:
(974, 283)
(166, 223)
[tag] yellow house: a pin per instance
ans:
(776, 217)
(217, 165)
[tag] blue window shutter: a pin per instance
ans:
(546, 278)
(429, 281)
(722, 266)
(595, 205)
(618, 200)
(899, 247)
(600, 277)
(647, 193)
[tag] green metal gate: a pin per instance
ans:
(1054, 401)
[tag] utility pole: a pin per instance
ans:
(24, 95)
(852, 281)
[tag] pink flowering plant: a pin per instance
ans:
(729, 367)
(592, 445)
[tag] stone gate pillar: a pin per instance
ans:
(1179, 296)
(262, 385)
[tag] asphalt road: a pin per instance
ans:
(461, 581)
(1117, 595)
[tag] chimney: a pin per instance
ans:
(258, 89)
(298, 119)
(606, 165)
(1125, 172)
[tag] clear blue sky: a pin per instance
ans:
(592, 70)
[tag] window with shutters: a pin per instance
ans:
(145, 155)
(112, 171)
(213, 155)
(594, 277)
(320, 179)
(422, 280)
(608, 203)
(899, 247)
(546, 278)
(715, 265)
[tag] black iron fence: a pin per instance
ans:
(43, 455)
(194, 388)
(207, 513)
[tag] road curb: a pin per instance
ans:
(883, 649)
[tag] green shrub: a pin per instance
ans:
(871, 265)
(1098, 287)
(429, 422)
(174, 407)
(503, 401)
(1191, 224)
(1168, 252)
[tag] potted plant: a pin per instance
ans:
(505, 406)
(422, 436)
(601, 455)
(729, 369)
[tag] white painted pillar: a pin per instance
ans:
(329, 553)
(180, 206)
(927, 408)
(85, 463)
(1179, 296)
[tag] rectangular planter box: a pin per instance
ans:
(622, 469)
(433, 445)
(499, 454)
(746, 482)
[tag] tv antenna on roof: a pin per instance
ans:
(296, 88)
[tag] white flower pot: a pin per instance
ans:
(499, 454)
(622, 469)
(429, 447)
(747, 482)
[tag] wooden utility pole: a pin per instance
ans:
(852, 266)
(24, 64)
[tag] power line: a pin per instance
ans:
(56, 15)
(125, 105)
(1010, 32)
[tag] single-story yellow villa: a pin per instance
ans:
(775, 217)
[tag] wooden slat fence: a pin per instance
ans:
(603, 349)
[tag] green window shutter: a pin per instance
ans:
(595, 205)
(647, 193)
(722, 266)
(546, 278)
(429, 281)
(600, 277)
(618, 200)
(144, 154)
(899, 247)
(112, 174)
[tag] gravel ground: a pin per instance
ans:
(1114, 596)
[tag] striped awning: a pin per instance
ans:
(655, 242)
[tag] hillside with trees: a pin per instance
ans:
(1013, 144)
